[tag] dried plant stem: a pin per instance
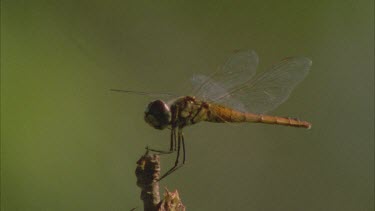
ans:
(148, 173)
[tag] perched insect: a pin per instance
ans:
(235, 94)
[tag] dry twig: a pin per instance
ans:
(148, 174)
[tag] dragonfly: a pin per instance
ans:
(235, 93)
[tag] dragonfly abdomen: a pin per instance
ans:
(287, 121)
(225, 114)
(218, 113)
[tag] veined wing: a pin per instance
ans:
(154, 95)
(236, 71)
(213, 90)
(269, 89)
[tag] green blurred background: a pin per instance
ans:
(67, 143)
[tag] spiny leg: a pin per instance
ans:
(178, 149)
(176, 166)
(183, 148)
(174, 139)
(172, 144)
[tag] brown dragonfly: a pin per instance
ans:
(234, 94)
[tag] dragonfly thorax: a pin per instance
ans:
(158, 114)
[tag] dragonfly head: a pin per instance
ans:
(158, 114)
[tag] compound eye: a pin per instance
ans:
(158, 114)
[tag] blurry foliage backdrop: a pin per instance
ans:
(67, 143)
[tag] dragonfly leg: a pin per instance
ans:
(170, 171)
(159, 151)
(176, 166)
(172, 140)
(183, 147)
(181, 140)
(172, 147)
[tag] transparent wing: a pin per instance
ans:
(213, 90)
(165, 96)
(269, 89)
(236, 71)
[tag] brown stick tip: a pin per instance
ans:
(171, 201)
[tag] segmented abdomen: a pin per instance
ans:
(219, 113)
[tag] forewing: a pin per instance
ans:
(164, 96)
(269, 89)
(236, 71)
(212, 89)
